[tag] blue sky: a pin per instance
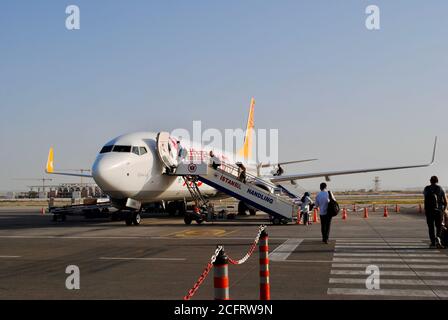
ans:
(351, 97)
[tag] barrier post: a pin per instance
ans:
(354, 207)
(315, 215)
(221, 276)
(298, 216)
(265, 289)
(397, 208)
(386, 212)
(373, 208)
(344, 214)
(366, 213)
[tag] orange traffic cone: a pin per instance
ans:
(42, 211)
(315, 215)
(299, 221)
(397, 208)
(344, 214)
(386, 212)
(366, 213)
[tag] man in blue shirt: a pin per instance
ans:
(322, 200)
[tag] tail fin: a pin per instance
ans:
(246, 149)
(50, 166)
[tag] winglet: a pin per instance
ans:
(434, 151)
(49, 168)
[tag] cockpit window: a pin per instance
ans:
(135, 150)
(118, 148)
(106, 149)
(143, 150)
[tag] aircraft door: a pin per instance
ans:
(167, 149)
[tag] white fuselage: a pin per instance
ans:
(122, 173)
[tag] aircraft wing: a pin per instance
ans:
(267, 165)
(328, 174)
(50, 167)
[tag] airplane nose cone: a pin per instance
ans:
(107, 173)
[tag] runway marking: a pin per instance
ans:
(398, 251)
(393, 273)
(443, 260)
(7, 257)
(381, 292)
(389, 266)
(382, 247)
(144, 259)
(343, 254)
(283, 251)
(200, 232)
(403, 282)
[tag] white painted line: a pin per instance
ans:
(440, 261)
(431, 274)
(381, 246)
(283, 251)
(386, 251)
(7, 257)
(441, 293)
(383, 273)
(403, 282)
(389, 266)
(435, 283)
(144, 259)
(342, 254)
(379, 243)
(365, 265)
(381, 292)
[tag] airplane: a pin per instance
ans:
(131, 169)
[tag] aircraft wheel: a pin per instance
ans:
(276, 221)
(187, 219)
(136, 219)
(128, 221)
(252, 212)
(242, 208)
(171, 208)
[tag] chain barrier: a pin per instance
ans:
(251, 249)
(203, 275)
(209, 266)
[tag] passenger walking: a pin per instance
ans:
(322, 200)
(435, 206)
(306, 207)
(241, 172)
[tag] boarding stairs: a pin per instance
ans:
(254, 191)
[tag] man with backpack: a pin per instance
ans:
(328, 209)
(435, 205)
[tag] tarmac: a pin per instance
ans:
(163, 258)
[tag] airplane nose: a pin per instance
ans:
(107, 174)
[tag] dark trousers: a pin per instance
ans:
(434, 219)
(325, 224)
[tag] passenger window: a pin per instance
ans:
(121, 148)
(106, 149)
(135, 150)
(143, 150)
